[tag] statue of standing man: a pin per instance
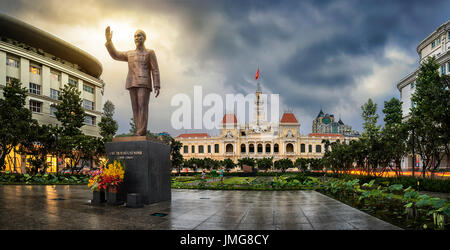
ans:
(142, 68)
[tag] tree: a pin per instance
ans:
(431, 118)
(70, 111)
(301, 164)
(108, 126)
(16, 119)
(265, 163)
(42, 142)
(283, 164)
(371, 135)
(394, 135)
(246, 161)
(228, 164)
(176, 158)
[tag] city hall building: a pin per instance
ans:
(43, 64)
(258, 139)
(436, 44)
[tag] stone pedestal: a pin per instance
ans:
(147, 167)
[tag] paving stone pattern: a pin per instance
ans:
(67, 207)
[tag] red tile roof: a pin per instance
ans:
(325, 134)
(229, 118)
(192, 135)
(288, 118)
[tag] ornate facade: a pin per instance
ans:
(325, 124)
(258, 139)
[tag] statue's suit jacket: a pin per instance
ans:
(140, 65)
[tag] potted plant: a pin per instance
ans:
(112, 178)
(94, 185)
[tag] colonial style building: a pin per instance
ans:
(436, 44)
(258, 139)
(325, 124)
(43, 64)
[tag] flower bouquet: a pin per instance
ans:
(94, 185)
(112, 176)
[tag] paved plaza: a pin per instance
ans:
(67, 207)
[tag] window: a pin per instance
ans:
(275, 148)
(185, 149)
(35, 70)
(54, 94)
(35, 89)
(12, 62)
(318, 148)
(88, 89)
(412, 104)
(229, 148)
(89, 120)
(310, 148)
(53, 111)
(88, 104)
(73, 82)
(251, 148)
(302, 148)
(35, 106)
(209, 149)
(443, 69)
(290, 148)
(267, 148)
(433, 44)
(193, 149)
(55, 76)
(243, 148)
(438, 41)
(412, 85)
(9, 80)
(260, 148)
(200, 149)
(216, 148)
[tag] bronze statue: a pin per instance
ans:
(141, 62)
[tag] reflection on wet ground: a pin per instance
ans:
(68, 207)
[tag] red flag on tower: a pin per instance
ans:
(257, 74)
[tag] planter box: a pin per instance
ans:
(98, 197)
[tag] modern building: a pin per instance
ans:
(258, 139)
(436, 44)
(43, 64)
(325, 124)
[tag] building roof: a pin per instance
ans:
(229, 118)
(30, 35)
(192, 135)
(288, 118)
(325, 134)
(320, 113)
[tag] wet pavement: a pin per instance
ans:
(67, 207)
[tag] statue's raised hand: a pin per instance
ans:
(108, 34)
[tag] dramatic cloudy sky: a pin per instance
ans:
(329, 54)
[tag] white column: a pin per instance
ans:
(45, 84)
(64, 79)
(25, 73)
(2, 68)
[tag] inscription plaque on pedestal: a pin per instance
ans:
(147, 167)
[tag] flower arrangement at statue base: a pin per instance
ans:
(94, 185)
(108, 178)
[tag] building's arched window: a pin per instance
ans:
(229, 148)
(310, 148)
(251, 148)
(302, 148)
(200, 149)
(289, 148)
(209, 149)
(243, 149)
(267, 148)
(275, 148)
(260, 148)
(318, 148)
(192, 149)
(185, 149)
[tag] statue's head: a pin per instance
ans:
(139, 37)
